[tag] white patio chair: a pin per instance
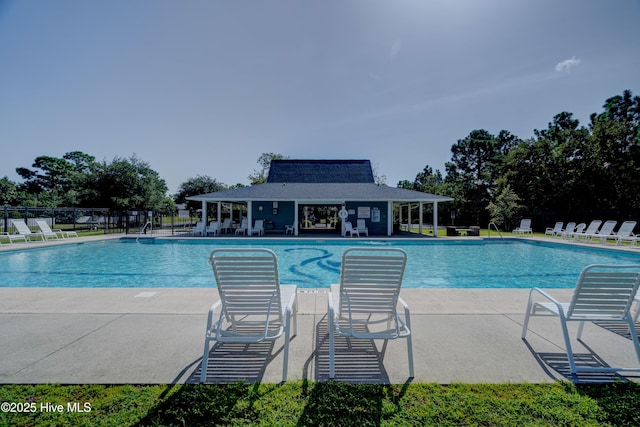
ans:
(603, 293)
(47, 232)
(369, 295)
(213, 228)
(290, 229)
(23, 230)
(13, 237)
(258, 228)
(362, 228)
(226, 225)
(592, 228)
(348, 228)
(243, 227)
(555, 231)
(606, 232)
(570, 234)
(253, 305)
(200, 229)
(625, 233)
(523, 228)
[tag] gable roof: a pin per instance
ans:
(320, 171)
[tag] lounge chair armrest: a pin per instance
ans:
(545, 295)
(407, 318)
(292, 301)
(212, 310)
(330, 302)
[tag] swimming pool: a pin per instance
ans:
(158, 263)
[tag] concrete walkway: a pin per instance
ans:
(53, 335)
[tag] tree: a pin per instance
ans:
(8, 192)
(426, 181)
(378, 178)
(471, 172)
(50, 182)
(615, 149)
(126, 184)
(199, 184)
(506, 208)
(260, 177)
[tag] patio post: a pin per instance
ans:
(435, 219)
(420, 212)
(389, 218)
(204, 212)
(295, 218)
(249, 219)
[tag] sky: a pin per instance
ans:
(206, 87)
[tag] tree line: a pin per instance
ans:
(564, 168)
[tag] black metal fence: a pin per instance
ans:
(100, 220)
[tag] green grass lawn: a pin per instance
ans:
(323, 404)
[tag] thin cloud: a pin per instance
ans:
(566, 65)
(395, 49)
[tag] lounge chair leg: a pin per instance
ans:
(286, 347)
(634, 337)
(332, 373)
(580, 329)
(205, 360)
(567, 342)
(525, 324)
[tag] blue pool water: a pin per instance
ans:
(308, 263)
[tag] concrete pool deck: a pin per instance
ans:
(141, 336)
(70, 336)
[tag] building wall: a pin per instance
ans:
(369, 211)
(372, 210)
(280, 217)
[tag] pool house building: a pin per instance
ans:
(320, 196)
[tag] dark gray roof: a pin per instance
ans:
(315, 192)
(320, 171)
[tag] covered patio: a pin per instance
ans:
(282, 205)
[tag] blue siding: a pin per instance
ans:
(375, 228)
(280, 220)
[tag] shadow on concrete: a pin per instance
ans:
(559, 362)
(357, 361)
(233, 362)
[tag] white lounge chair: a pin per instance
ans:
(606, 232)
(625, 233)
(55, 233)
(367, 297)
(213, 228)
(591, 230)
(226, 226)
(290, 229)
(258, 228)
(603, 293)
(362, 228)
(12, 237)
(243, 227)
(570, 227)
(24, 230)
(577, 230)
(200, 229)
(555, 231)
(348, 228)
(253, 305)
(523, 228)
